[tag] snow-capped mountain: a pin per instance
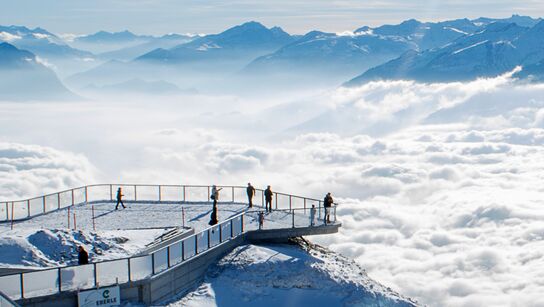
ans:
(24, 77)
(335, 57)
(46, 45)
(497, 49)
(151, 43)
(243, 42)
(289, 275)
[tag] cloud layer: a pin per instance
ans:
(440, 185)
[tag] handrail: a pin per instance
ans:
(137, 268)
(16, 210)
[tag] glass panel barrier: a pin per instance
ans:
(11, 286)
(236, 226)
(297, 202)
(98, 192)
(202, 241)
(65, 199)
(140, 268)
(20, 209)
(175, 253)
(214, 235)
(77, 277)
(112, 272)
(197, 194)
(126, 190)
(240, 196)
(79, 196)
(36, 206)
(4, 212)
(225, 231)
(189, 247)
(149, 193)
(282, 202)
(161, 260)
(51, 202)
(41, 283)
(171, 193)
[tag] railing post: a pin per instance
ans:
(276, 196)
(129, 271)
(60, 280)
(290, 207)
(335, 214)
(183, 193)
(135, 194)
(293, 217)
(264, 205)
(232, 194)
(196, 244)
(231, 230)
(111, 192)
(27, 207)
(242, 222)
(86, 195)
(220, 233)
(209, 243)
(12, 210)
(183, 250)
(95, 275)
(58, 200)
(152, 263)
(72, 197)
(22, 286)
(168, 256)
(304, 205)
(43, 198)
(7, 211)
(160, 195)
(208, 193)
(319, 209)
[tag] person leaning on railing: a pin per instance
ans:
(327, 204)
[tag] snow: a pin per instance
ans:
(469, 47)
(288, 275)
(455, 30)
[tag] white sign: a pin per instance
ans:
(103, 297)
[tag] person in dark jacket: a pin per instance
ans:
(119, 199)
(327, 204)
(250, 193)
(268, 197)
(82, 256)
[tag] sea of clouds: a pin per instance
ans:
(441, 185)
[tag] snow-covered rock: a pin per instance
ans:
(289, 275)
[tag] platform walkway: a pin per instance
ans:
(175, 268)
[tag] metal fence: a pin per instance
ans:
(23, 209)
(289, 212)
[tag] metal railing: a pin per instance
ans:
(12, 211)
(132, 269)
(6, 301)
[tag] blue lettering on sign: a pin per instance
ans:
(106, 301)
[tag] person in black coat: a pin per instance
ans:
(327, 204)
(119, 199)
(268, 197)
(250, 193)
(82, 256)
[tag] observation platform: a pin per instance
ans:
(172, 267)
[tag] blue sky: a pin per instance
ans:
(210, 16)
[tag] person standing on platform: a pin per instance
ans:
(119, 199)
(82, 256)
(327, 204)
(215, 197)
(312, 215)
(250, 193)
(261, 220)
(268, 197)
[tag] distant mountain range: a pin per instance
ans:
(252, 56)
(498, 48)
(23, 77)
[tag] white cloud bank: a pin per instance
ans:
(440, 185)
